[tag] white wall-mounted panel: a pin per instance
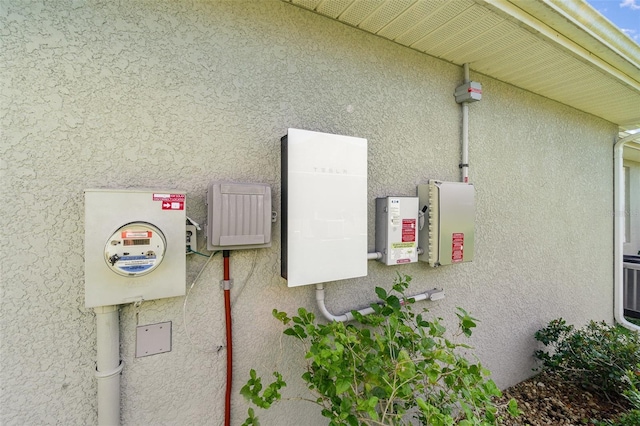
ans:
(324, 207)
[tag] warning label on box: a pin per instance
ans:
(172, 205)
(402, 252)
(129, 234)
(408, 230)
(457, 247)
(170, 201)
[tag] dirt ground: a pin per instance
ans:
(548, 400)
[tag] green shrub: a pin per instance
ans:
(632, 394)
(597, 356)
(394, 366)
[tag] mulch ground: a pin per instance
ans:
(546, 399)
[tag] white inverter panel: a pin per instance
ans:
(324, 207)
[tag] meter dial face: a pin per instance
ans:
(135, 249)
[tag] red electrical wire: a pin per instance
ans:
(227, 310)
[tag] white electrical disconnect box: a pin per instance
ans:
(324, 207)
(450, 235)
(397, 229)
(239, 216)
(134, 245)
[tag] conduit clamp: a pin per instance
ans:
(226, 284)
(107, 374)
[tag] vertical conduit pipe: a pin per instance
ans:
(227, 309)
(619, 218)
(464, 165)
(108, 364)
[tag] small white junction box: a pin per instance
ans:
(134, 245)
(397, 229)
(324, 207)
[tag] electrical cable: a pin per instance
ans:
(184, 306)
(197, 252)
(246, 280)
(227, 309)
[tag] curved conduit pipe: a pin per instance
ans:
(619, 218)
(434, 294)
(226, 285)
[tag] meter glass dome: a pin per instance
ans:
(135, 249)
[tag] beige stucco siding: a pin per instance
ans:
(175, 94)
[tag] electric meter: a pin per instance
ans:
(134, 245)
(135, 249)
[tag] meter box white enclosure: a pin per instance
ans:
(324, 207)
(134, 245)
(239, 216)
(450, 236)
(397, 229)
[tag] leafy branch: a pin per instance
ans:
(395, 365)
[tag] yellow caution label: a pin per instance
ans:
(403, 245)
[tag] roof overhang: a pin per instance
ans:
(560, 49)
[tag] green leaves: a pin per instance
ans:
(392, 367)
(252, 391)
(512, 408)
(596, 355)
(466, 321)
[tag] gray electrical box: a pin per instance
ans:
(239, 216)
(450, 210)
(397, 229)
(468, 92)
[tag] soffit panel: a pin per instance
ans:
(468, 31)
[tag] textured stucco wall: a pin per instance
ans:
(174, 94)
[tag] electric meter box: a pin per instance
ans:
(397, 229)
(239, 216)
(134, 245)
(450, 236)
(324, 207)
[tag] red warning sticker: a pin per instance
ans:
(408, 230)
(169, 197)
(128, 234)
(173, 205)
(457, 247)
(170, 201)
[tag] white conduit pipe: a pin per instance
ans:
(619, 219)
(433, 294)
(108, 365)
(464, 165)
(377, 255)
